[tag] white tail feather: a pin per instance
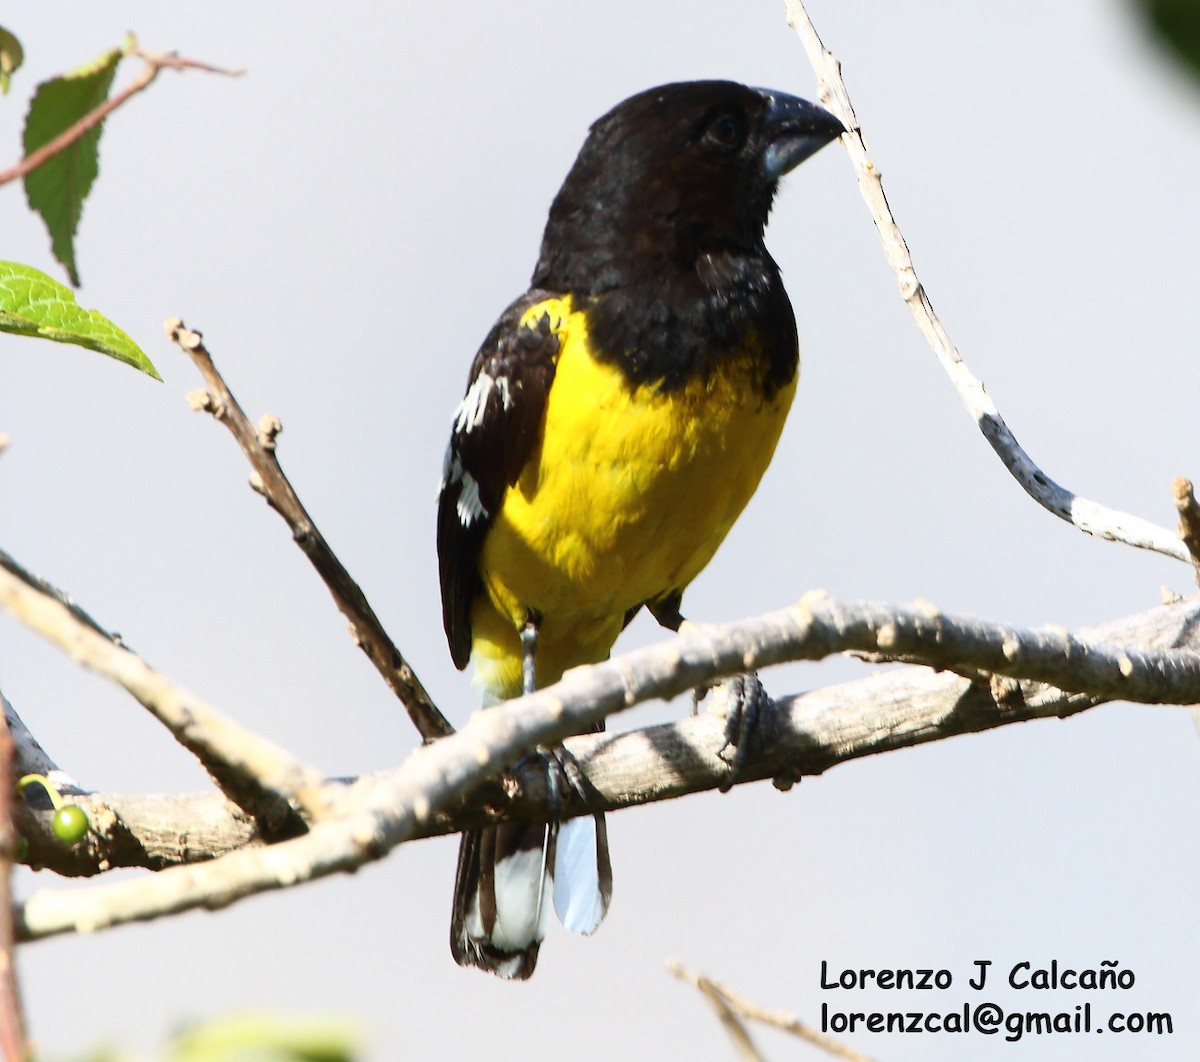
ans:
(521, 911)
(577, 899)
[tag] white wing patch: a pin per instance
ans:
(505, 394)
(472, 409)
(468, 416)
(451, 469)
(469, 507)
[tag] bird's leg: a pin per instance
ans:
(558, 765)
(529, 636)
(529, 639)
(565, 762)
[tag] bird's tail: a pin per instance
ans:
(508, 877)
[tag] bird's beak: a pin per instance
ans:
(792, 130)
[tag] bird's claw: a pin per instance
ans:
(749, 723)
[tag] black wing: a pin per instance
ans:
(496, 427)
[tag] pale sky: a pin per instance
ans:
(344, 224)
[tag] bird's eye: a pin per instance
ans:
(724, 132)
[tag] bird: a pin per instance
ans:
(616, 420)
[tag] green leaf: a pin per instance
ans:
(58, 187)
(267, 1038)
(32, 304)
(11, 57)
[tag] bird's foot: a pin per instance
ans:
(750, 723)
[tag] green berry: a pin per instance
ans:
(70, 824)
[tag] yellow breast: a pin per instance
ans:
(624, 500)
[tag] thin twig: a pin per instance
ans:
(270, 481)
(730, 1021)
(1088, 516)
(252, 771)
(13, 1047)
(154, 63)
(731, 1006)
(1189, 519)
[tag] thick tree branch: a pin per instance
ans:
(150, 830)
(268, 479)
(1088, 516)
(815, 731)
(252, 771)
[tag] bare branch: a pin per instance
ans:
(731, 1007)
(28, 756)
(728, 1017)
(253, 772)
(814, 731)
(268, 479)
(151, 830)
(154, 63)
(1090, 517)
(375, 817)
(1189, 520)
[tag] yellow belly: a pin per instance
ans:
(626, 499)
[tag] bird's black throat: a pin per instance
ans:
(670, 326)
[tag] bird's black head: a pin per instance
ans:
(672, 174)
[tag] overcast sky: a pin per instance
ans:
(345, 223)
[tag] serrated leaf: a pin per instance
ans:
(57, 188)
(33, 304)
(11, 58)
